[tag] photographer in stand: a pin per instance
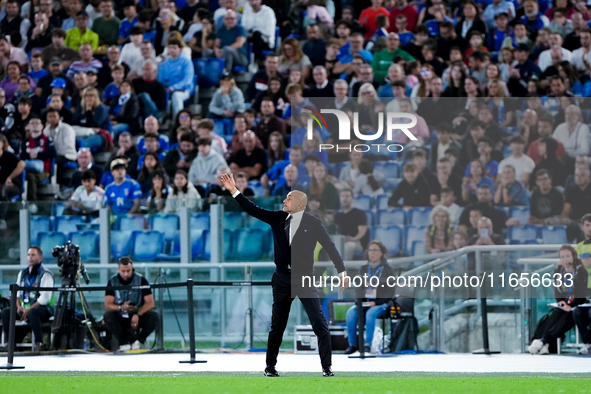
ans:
(33, 306)
(129, 309)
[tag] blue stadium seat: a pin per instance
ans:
(521, 234)
(167, 224)
(249, 244)
(390, 169)
(413, 233)
(391, 184)
(88, 241)
(200, 221)
(39, 224)
(49, 240)
(395, 216)
(419, 216)
(362, 202)
(382, 202)
(252, 222)
(227, 245)
(391, 237)
(520, 213)
(339, 167)
(146, 245)
(553, 235)
(58, 208)
(418, 248)
(68, 224)
(209, 70)
(233, 220)
(196, 246)
(120, 243)
(131, 222)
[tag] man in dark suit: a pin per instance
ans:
(294, 226)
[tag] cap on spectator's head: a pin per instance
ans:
(118, 163)
(522, 47)
(91, 71)
(83, 13)
(59, 83)
(500, 14)
(55, 60)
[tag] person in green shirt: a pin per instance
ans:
(584, 247)
(81, 34)
(107, 26)
(383, 59)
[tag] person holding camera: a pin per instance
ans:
(484, 234)
(36, 307)
(130, 314)
(378, 297)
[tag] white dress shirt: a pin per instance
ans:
(296, 219)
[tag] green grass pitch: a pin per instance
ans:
(184, 382)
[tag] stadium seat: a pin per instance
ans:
(370, 217)
(413, 233)
(68, 224)
(39, 224)
(395, 216)
(553, 235)
(390, 169)
(58, 208)
(167, 224)
(228, 245)
(521, 234)
(209, 70)
(391, 237)
(419, 216)
(88, 241)
(196, 246)
(233, 220)
(131, 222)
(520, 213)
(49, 240)
(418, 248)
(146, 245)
(120, 243)
(362, 202)
(391, 184)
(252, 222)
(249, 244)
(382, 202)
(200, 221)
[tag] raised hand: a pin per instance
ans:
(228, 182)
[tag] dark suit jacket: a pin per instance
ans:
(310, 231)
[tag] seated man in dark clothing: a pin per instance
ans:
(352, 223)
(545, 202)
(181, 157)
(85, 162)
(578, 197)
(130, 314)
(249, 159)
(484, 195)
(484, 234)
(413, 190)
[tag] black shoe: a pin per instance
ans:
(39, 347)
(327, 372)
(367, 349)
(351, 350)
(271, 372)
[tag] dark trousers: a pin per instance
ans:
(36, 317)
(120, 327)
(582, 318)
(281, 306)
(34, 179)
(258, 45)
(61, 161)
(6, 193)
(554, 326)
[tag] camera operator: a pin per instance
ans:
(34, 306)
(129, 309)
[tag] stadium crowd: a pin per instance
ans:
(497, 88)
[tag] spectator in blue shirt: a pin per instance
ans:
(230, 39)
(489, 15)
(345, 60)
(176, 74)
(130, 12)
(510, 191)
(123, 195)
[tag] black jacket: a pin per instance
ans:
(579, 280)
(310, 231)
(129, 113)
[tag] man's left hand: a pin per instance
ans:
(25, 314)
(135, 319)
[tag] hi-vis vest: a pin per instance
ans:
(133, 296)
(29, 297)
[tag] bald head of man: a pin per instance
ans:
(295, 201)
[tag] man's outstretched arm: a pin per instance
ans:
(250, 207)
